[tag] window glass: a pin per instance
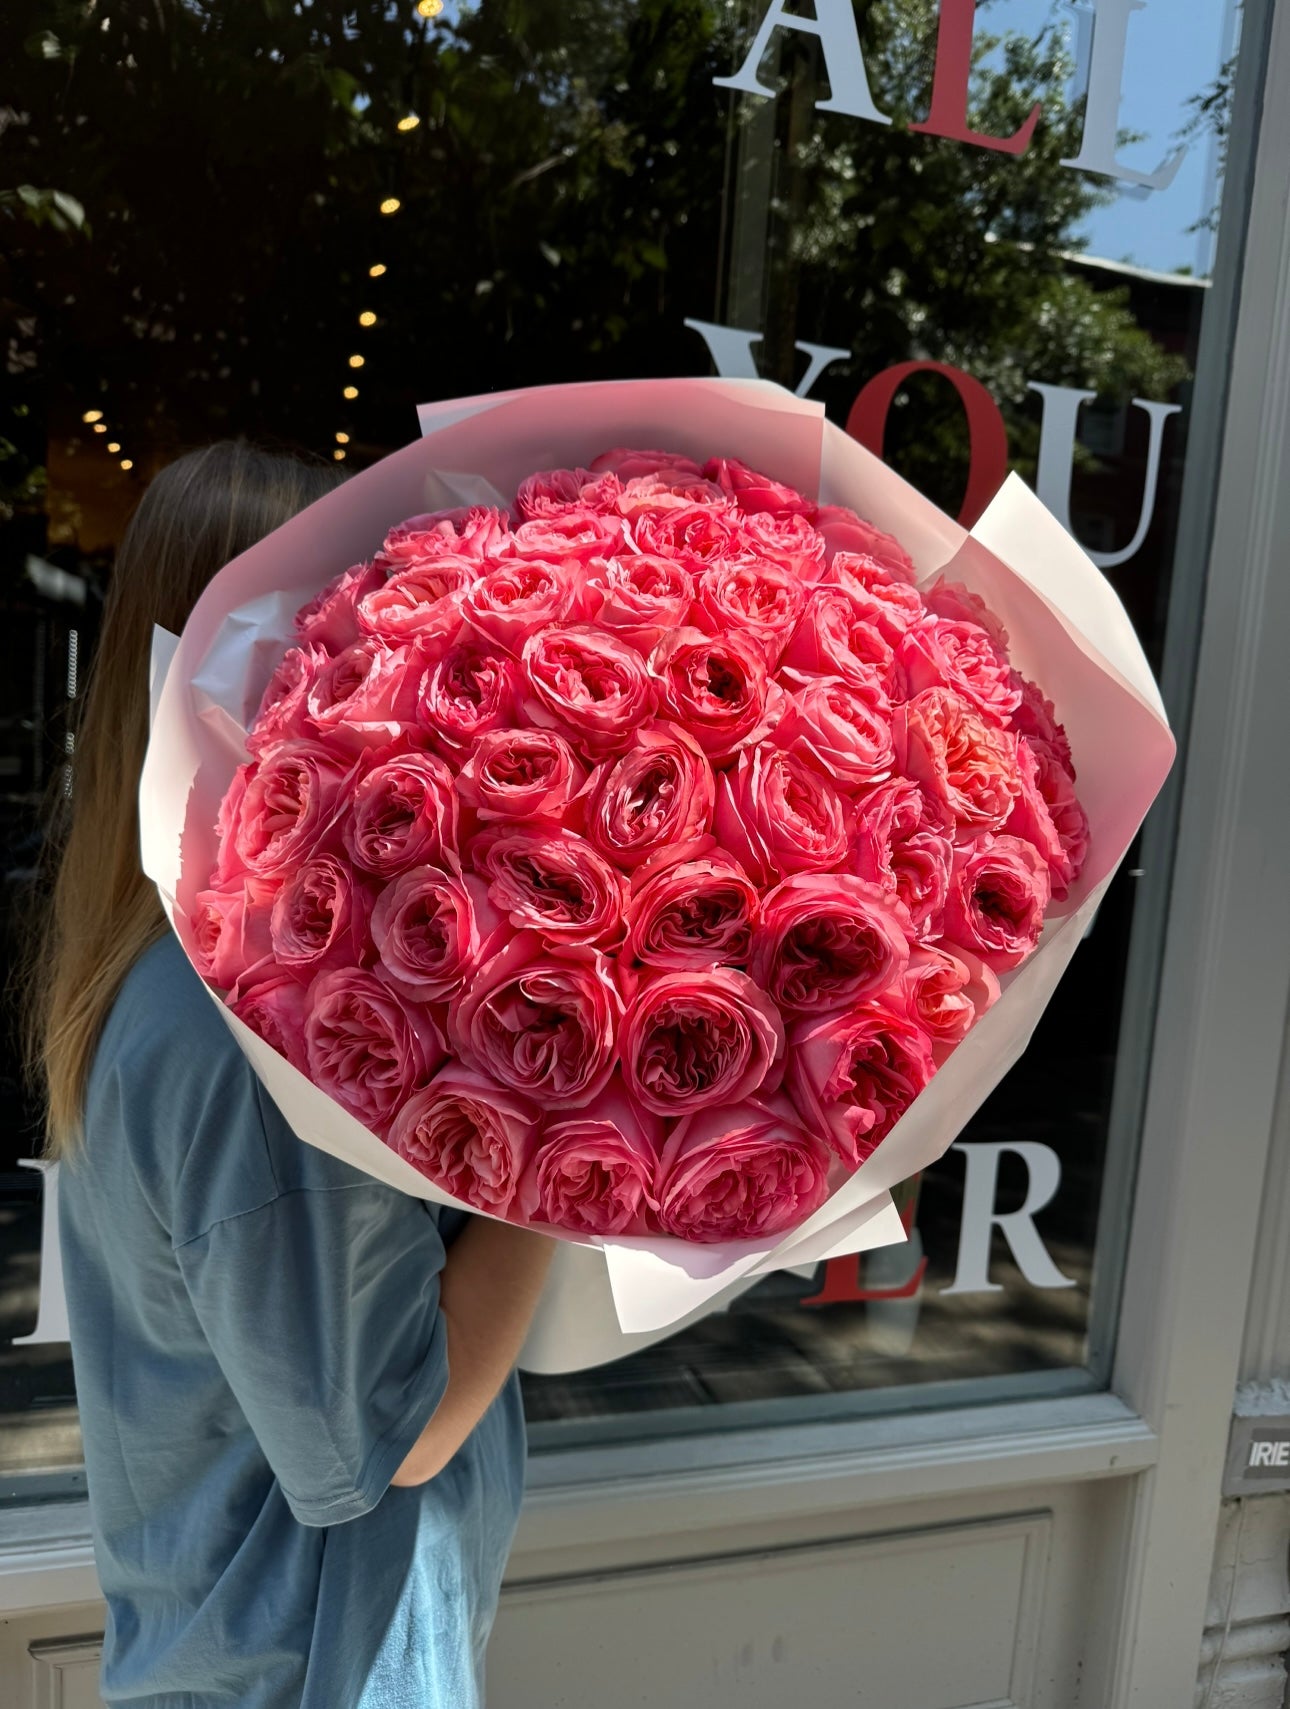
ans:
(981, 237)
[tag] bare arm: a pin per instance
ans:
(488, 1291)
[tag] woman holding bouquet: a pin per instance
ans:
(303, 1433)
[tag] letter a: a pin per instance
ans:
(835, 24)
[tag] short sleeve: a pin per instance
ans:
(321, 1306)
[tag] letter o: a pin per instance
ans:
(987, 435)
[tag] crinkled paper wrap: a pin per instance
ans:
(608, 1297)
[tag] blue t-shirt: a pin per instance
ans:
(257, 1344)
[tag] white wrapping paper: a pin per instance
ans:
(1068, 632)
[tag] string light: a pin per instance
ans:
(113, 446)
(339, 455)
(408, 123)
(429, 8)
(99, 427)
(350, 392)
(391, 205)
(342, 439)
(376, 272)
(92, 415)
(126, 463)
(367, 318)
(356, 361)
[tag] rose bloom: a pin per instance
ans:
(853, 1074)
(883, 601)
(472, 531)
(657, 795)
(697, 1038)
(754, 492)
(787, 540)
(827, 941)
(692, 915)
(366, 697)
(590, 686)
(320, 917)
(419, 603)
(470, 691)
(696, 534)
(515, 598)
(432, 929)
(961, 605)
(655, 495)
(763, 601)
(468, 1136)
(1036, 719)
(330, 620)
(746, 1171)
(716, 687)
(593, 1171)
(966, 764)
(999, 889)
(575, 534)
(832, 638)
(1060, 830)
(552, 491)
(937, 652)
(946, 992)
(776, 815)
(843, 531)
(628, 465)
(541, 1020)
(520, 774)
(554, 883)
(846, 734)
(903, 843)
(640, 597)
(281, 809)
(368, 1048)
(230, 928)
(272, 1002)
(404, 814)
(283, 710)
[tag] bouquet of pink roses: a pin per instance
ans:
(633, 850)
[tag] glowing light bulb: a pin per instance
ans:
(408, 123)
(92, 415)
(99, 427)
(342, 439)
(339, 455)
(356, 361)
(391, 205)
(113, 446)
(126, 463)
(350, 392)
(367, 318)
(375, 272)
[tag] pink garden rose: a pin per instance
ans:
(320, 917)
(754, 492)
(432, 930)
(519, 596)
(844, 531)
(694, 1039)
(365, 697)
(761, 600)
(696, 914)
(472, 531)
(593, 1170)
(827, 941)
(628, 465)
(421, 603)
(787, 539)
(939, 653)
(777, 815)
(654, 495)
(946, 992)
(521, 774)
(961, 605)
(468, 1136)
(404, 814)
(853, 1074)
(886, 603)
(551, 491)
(553, 883)
(472, 689)
(273, 1003)
(843, 732)
(588, 685)
(961, 760)
(716, 687)
(330, 620)
(746, 1171)
(641, 598)
(903, 843)
(834, 638)
(231, 927)
(541, 1020)
(695, 535)
(999, 889)
(1036, 718)
(367, 1047)
(281, 809)
(283, 714)
(658, 795)
(574, 535)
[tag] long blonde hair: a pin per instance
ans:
(100, 912)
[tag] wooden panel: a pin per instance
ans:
(65, 1674)
(931, 1619)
